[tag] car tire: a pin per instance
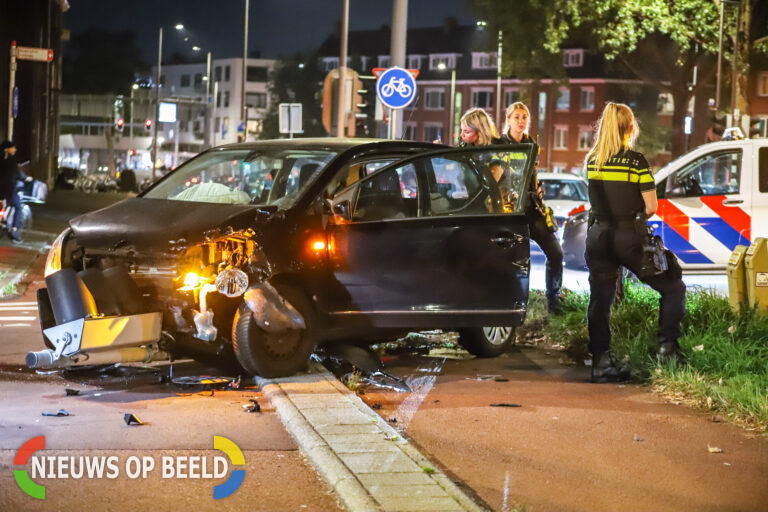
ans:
(487, 341)
(274, 355)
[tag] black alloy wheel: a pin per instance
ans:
(487, 341)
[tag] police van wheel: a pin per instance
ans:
(274, 354)
(487, 341)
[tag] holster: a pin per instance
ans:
(654, 254)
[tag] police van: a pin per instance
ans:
(710, 200)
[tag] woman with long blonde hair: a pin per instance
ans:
(477, 128)
(517, 122)
(622, 193)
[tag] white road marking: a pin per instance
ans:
(420, 386)
(17, 308)
(15, 325)
(16, 318)
(20, 303)
(504, 506)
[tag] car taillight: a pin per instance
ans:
(578, 209)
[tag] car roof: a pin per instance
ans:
(559, 176)
(330, 144)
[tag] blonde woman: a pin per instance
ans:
(518, 119)
(477, 129)
(623, 196)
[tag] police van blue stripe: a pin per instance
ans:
(682, 247)
(722, 231)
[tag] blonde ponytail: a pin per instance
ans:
(617, 131)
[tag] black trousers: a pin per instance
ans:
(554, 253)
(609, 248)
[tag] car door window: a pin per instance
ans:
(711, 175)
(389, 194)
(353, 173)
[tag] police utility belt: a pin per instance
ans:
(655, 256)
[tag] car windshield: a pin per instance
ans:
(566, 190)
(270, 176)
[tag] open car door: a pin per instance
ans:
(436, 240)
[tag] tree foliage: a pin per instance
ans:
(100, 62)
(297, 79)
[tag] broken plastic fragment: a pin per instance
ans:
(71, 392)
(714, 449)
(256, 407)
(131, 419)
(60, 412)
(504, 404)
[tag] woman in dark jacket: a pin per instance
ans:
(516, 132)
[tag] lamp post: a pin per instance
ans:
(130, 122)
(178, 26)
(243, 106)
(442, 67)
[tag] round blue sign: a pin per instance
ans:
(396, 88)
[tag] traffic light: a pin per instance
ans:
(718, 123)
(119, 124)
(365, 107)
(755, 127)
(148, 125)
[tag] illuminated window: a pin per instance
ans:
(573, 58)
(564, 99)
(587, 99)
(561, 137)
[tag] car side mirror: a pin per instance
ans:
(343, 209)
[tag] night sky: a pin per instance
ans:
(276, 26)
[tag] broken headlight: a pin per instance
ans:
(53, 262)
(232, 282)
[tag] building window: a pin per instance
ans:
(482, 98)
(217, 73)
(561, 137)
(384, 61)
(559, 167)
(564, 99)
(762, 84)
(256, 74)
(198, 79)
(256, 99)
(484, 60)
(573, 58)
(587, 99)
(330, 63)
(218, 100)
(364, 62)
(665, 104)
(438, 61)
(227, 71)
(198, 126)
(409, 131)
(184, 81)
(434, 99)
(183, 126)
(511, 96)
(432, 131)
(226, 99)
(414, 61)
(585, 138)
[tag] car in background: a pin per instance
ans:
(257, 253)
(564, 193)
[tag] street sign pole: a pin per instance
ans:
(11, 85)
(396, 89)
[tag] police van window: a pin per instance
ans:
(711, 175)
(389, 194)
(763, 168)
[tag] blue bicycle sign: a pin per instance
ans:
(396, 88)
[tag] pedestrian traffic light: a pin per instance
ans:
(365, 107)
(147, 125)
(755, 127)
(718, 123)
(119, 124)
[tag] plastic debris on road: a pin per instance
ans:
(132, 419)
(60, 412)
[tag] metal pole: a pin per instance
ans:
(207, 137)
(735, 66)
(452, 117)
(498, 82)
(719, 58)
(341, 110)
(130, 121)
(243, 106)
(215, 97)
(397, 49)
(11, 85)
(157, 103)
(176, 143)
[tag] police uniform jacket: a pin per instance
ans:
(615, 190)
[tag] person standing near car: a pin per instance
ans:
(622, 193)
(477, 129)
(10, 174)
(542, 227)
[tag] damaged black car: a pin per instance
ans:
(261, 252)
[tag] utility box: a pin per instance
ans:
(756, 270)
(737, 286)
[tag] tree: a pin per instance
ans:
(659, 41)
(297, 79)
(101, 62)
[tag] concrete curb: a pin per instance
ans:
(331, 468)
(15, 277)
(327, 462)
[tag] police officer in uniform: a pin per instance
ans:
(623, 196)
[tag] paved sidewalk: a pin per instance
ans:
(15, 262)
(364, 460)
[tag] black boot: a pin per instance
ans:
(606, 369)
(669, 352)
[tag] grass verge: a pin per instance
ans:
(727, 370)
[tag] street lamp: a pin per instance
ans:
(442, 67)
(178, 26)
(130, 122)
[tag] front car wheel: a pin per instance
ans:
(487, 341)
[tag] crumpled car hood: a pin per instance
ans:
(148, 225)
